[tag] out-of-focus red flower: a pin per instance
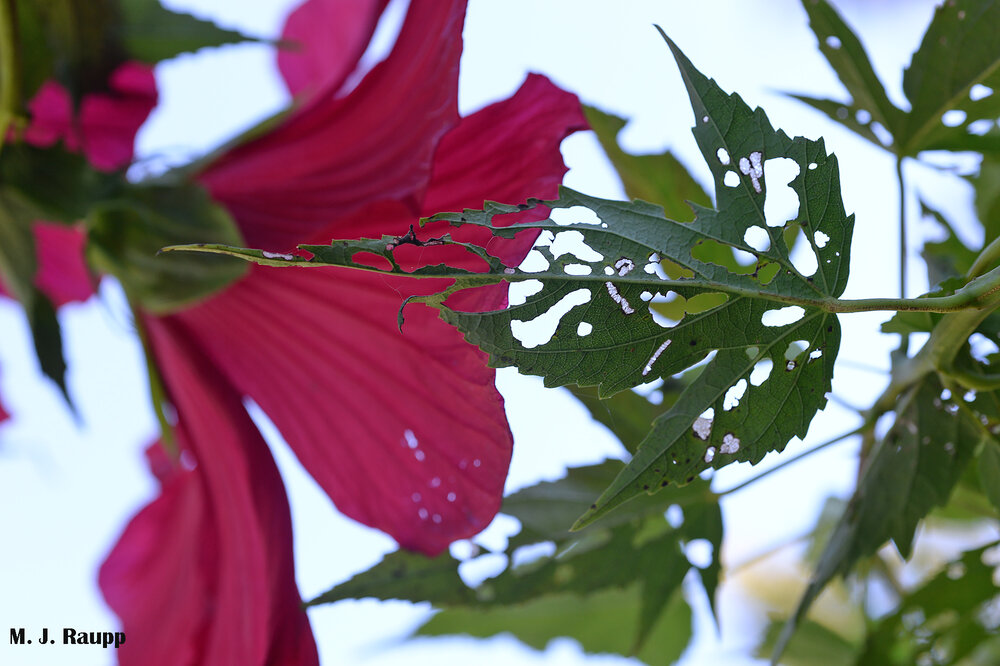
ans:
(104, 131)
(405, 432)
(204, 574)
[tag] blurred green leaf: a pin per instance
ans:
(601, 623)
(813, 645)
(942, 622)
(407, 576)
(910, 471)
(960, 49)
(989, 471)
(150, 33)
(847, 56)
(126, 234)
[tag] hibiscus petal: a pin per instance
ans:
(108, 121)
(204, 574)
(405, 433)
(62, 273)
(326, 38)
(62, 269)
(335, 155)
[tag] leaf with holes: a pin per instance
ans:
(952, 79)
(870, 113)
(767, 367)
(909, 472)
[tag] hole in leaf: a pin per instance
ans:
(704, 302)
(802, 256)
(669, 270)
(795, 349)
(535, 262)
(646, 296)
(761, 372)
(574, 215)
(373, 260)
(571, 242)
(782, 202)
(766, 272)
(674, 515)
(584, 329)
(821, 239)
(699, 552)
(723, 156)
(518, 292)
(577, 269)
(883, 135)
(979, 91)
(980, 127)
(734, 395)
(540, 330)
(782, 316)
(815, 354)
(731, 179)
(812, 165)
(757, 238)
(863, 117)
(833, 42)
(953, 117)
(982, 347)
(714, 252)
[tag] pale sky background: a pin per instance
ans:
(67, 489)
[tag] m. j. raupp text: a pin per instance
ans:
(70, 636)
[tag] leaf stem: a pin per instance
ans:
(789, 461)
(902, 227)
(10, 67)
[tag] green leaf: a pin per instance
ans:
(46, 335)
(845, 53)
(960, 49)
(627, 414)
(850, 116)
(61, 186)
(948, 258)
(407, 576)
(987, 188)
(602, 623)
(951, 616)
(151, 33)
(126, 234)
(910, 471)
(989, 471)
(628, 346)
(813, 645)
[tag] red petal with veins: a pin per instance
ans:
(324, 40)
(405, 432)
(204, 573)
(335, 155)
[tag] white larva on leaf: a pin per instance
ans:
(276, 255)
(652, 359)
(754, 168)
(619, 299)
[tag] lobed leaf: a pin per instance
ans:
(910, 471)
(631, 259)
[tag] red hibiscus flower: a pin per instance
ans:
(405, 432)
(104, 131)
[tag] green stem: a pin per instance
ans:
(789, 461)
(10, 67)
(989, 256)
(157, 391)
(902, 227)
